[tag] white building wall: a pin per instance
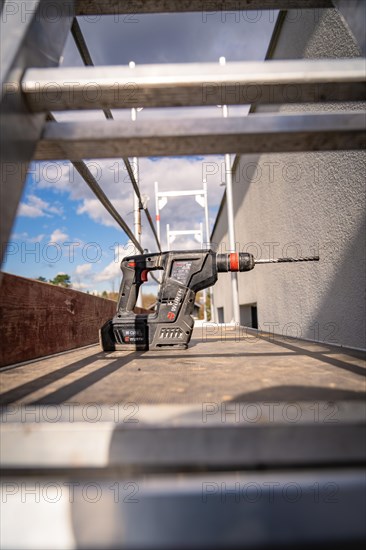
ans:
(292, 204)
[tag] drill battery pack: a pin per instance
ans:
(117, 334)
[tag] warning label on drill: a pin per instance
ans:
(180, 271)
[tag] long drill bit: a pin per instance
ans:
(280, 260)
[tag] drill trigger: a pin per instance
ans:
(144, 275)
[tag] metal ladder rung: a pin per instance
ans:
(57, 89)
(264, 133)
(134, 7)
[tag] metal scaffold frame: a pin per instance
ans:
(27, 96)
(201, 198)
(176, 440)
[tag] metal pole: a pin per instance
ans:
(135, 167)
(167, 237)
(208, 244)
(204, 290)
(88, 177)
(136, 203)
(86, 57)
(157, 210)
(231, 230)
(231, 222)
(136, 199)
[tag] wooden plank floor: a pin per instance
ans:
(224, 367)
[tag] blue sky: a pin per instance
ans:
(60, 226)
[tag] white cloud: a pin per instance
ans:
(173, 173)
(20, 236)
(53, 175)
(84, 278)
(25, 237)
(62, 177)
(37, 207)
(113, 270)
(36, 239)
(179, 174)
(33, 209)
(96, 211)
(83, 269)
(109, 273)
(58, 236)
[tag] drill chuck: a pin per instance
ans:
(234, 261)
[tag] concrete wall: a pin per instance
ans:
(292, 204)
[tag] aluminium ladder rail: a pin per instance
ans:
(195, 84)
(115, 7)
(254, 134)
(21, 128)
(86, 57)
(104, 524)
(200, 84)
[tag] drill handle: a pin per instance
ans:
(129, 290)
(135, 270)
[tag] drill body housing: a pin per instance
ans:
(171, 324)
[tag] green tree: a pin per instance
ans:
(42, 279)
(61, 279)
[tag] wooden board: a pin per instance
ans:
(38, 319)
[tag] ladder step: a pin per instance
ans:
(50, 89)
(133, 7)
(257, 133)
(180, 435)
(220, 510)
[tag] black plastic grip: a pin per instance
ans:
(129, 288)
(135, 270)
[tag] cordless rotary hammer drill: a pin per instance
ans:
(171, 324)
